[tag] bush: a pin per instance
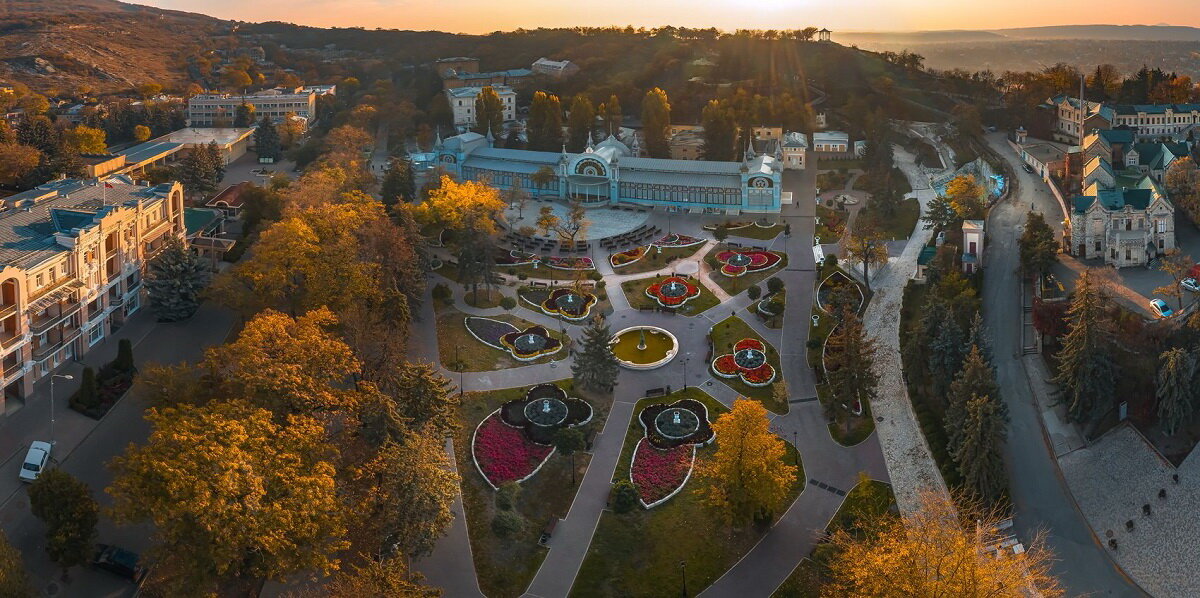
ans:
(512, 271)
(507, 524)
(442, 293)
(754, 293)
(522, 276)
(88, 396)
(124, 360)
(594, 275)
(507, 496)
(624, 496)
(508, 302)
(831, 261)
(774, 285)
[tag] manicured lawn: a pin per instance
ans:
(731, 330)
(543, 272)
(846, 428)
(757, 232)
(736, 284)
(635, 293)
(832, 224)
(483, 298)
(898, 226)
(476, 356)
(532, 297)
(638, 553)
(505, 566)
(657, 260)
(832, 180)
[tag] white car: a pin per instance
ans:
(36, 461)
(1160, 308)
(1190, 284)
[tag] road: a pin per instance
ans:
(1040, 496)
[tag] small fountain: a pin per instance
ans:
(676, 422)
(642, 340)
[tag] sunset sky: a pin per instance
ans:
(479, 16)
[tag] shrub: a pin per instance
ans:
(831, 261)
(88, 389)
(508, 302)
(507, 524)
(522, 276)
(442, 293)
(594, 275)
(512, 271)
(124, 360)
(774, 285)
(507, 496)
(754, 292)
(624, 496)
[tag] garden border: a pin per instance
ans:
(677, 490)
(476, 461)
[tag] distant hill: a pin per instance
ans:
(106, 44)
(1165, 33)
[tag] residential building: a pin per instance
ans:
(205, 232)
(1072, 118)
(462, 103)
(554, 68)
(448, 67)
(229, 201)
(215, 110)
(1147, 121)
(687, 144)
(72, 255)
(972, 249)
(795, 149)
(831, 142)
(610, 173)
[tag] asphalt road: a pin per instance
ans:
(1043, 503)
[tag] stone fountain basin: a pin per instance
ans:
(633, 330)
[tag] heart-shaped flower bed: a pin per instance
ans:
(737, 263)
(531, 343)
(629, 256)
(677, 240)
(658, 474)
(503, 454)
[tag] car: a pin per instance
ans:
(1190, 284)
(36, 460)
(1160, 308)
(119, 561)
(1027, 168)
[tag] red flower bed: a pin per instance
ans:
(753, 261)
(726, 366)
(657, 473)
(759, 376)
(677, 240)
(749, 343)
(629, 256)
(655, 291)
(502, 452)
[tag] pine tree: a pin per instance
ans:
(266, 140)
(1039, 250)
(656, 119)
(1176, 388)
(946, 344)
(580, 123)
(976, 379)
(1086, 369)
(978, 452)
(978, 336)
(719, 131)
(174, 282)
(595, 366)
(940, 215)
(850, 359)
(398, 184)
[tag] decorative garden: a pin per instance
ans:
(682, 294)
(733, 335)
(523, 344)
(569, 304)
(735, 269)
(662, 461)
(512, 443)
(835, 293)
(747, 362)
(673, 291)
(474, 344)
(656, 255)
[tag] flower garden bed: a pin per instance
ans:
(476, 345)
(638, 293)
(569, 263)
(703, 434)
(744, 272)
(503, 454)
(575, 412)
(748, 361)
(659, 474)
(771, 308)
(726, 336)
(516, 257)
(677, 240)
(673, 291)
(621, 259)
(569, 304)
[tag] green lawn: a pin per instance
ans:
(506, 566)
(635, 293)
(483, 298)
(737, 284)
(731, 330)
(832, 180)
(847, 429)
(897, 226)
(532, 297)
(476, 356)
(657, 259)
(543, 272)
(638, 553)
(757, 232)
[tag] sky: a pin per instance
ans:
(481, 16)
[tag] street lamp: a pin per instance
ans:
(458, 365)
(52, 377)
(685, 362)
(683, 569)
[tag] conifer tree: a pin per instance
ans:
(174, 281)
(1086, 369)
(88, 391)
(595, 366)
(545, 123)
(266, 140)
(976, 379)
(1176, 389)
(1038, 248)
(978, 452)
(850, 359)
(946, 344)
(243, 116)
(398, 184)
(656, 118)
(579, 123)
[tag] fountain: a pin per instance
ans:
(546, 412)
(644, 347)
(675, 423)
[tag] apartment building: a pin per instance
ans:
(1147, 121)
(462, 103)
(554, 68)
(218, 110)
(72, 255)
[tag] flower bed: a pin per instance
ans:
(702, 435)
(737, 263)
(673, 291)
(514, 414)
(516, 257)
(488, 331)
(569, 263)
(660, 474)
(530, 344)
(629, 256)
(677, 240)
(748, 362)
(503, 454)
(557, 304)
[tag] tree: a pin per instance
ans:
(266, 140)
(35, 103)
(850, 362)
(568, 441)
(469, 205)
(625, 496)
(542, 177)
(124, 360)
(1039, 250)
(774, 285)
(746, 477)
(567, 230)
(966, 197)
(236, 79)
(149, 89)
(1178, 266)
(174, 281)
(398, 184)
(416, 396)
(975, 379)
(656, 119)
(66, 506)
(596, 367)
(88, 395)
(610, 112)
(939, 550)
(580, 123)
(1183, 186)
(865, 246)
(141, 133)
(14, 581)
(489, 112)
(234, 495)
(1087, 372)
(545, 123)
(720, 131)
(386, 577)
(243, 115)
(720, 233)
(17, 161)
(1176, 388)
(87, 140)
(978, 452)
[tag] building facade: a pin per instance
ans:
(1073, 119)
(554, 68)
(214, 110)
(71, 266)
(1124, 227)
(609, 173)
(462, 103)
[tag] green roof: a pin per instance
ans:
(927, 255)
(197, 220)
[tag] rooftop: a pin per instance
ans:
(224, 136)
(470, 92)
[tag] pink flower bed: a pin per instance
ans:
(502, 452)
(657, 473)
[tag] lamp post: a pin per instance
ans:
(458, 365)
(52, 377)
(685, 362)
(683, 570)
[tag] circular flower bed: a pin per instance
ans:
(737, 263)
(503, 454)
(524, 345)
(672, 291)
(652, 416)
(543, 410)
(677, 240)
(568, 303)
(676, 423)
(748, 362)
(658, 474)
(629, 256)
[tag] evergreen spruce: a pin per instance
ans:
(124, 360)
(1039, 249)
(174, 281)
(977, 379)
(243, 116)
(266, 140)
(1087, 372)
(947, 344)
(850, 359)
(1176, 389)
(978, 452)
(89, 393)
(595, 366)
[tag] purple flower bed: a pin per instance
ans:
(489, 331)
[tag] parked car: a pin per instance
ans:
(115, 559)
(1190, 284)
(1160, 308)
(36, 460)
(1027, 168)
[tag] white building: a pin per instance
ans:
(211, 110)
(834, 142)
(462, 102)
(554, 68)
(972, 250)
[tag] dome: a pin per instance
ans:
(618, 148)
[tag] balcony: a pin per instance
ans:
(68, 336)
(40, 325)
(9, 339)
(12, 371)
(8, 310)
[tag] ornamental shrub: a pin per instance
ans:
(442, 293)
(124, 360)
(774, 285)
(754, 293)
(522, 276)
(507, 524)
(88, 389)
(507, 496)
(624, 496)
(594, 275)
(508, 303)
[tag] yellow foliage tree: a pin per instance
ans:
(746, 476)
(938, 551)
(469, 205)
(966, 197)
(87, 140)
(234, 496)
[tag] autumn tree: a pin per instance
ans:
(966, 197)
(378, 577)
(398, 184)
(542, 177)
(234, 495)
(1182, 181)
(236, 79)
(149, 89)
(174, 280)
(14, 581)
(656, 119)
(1177, 266)
(1176, 389)
(865, 246)
(596, 367)
(17, 161)
(746, 477)
(720, 131)
(610, 114)
(87, 140)
(1087, 371)
(580, 123)
(66, 506)
(939, 550)
(489, 112)
(1039, 249)
(141, 133)
(545, 123)
(566, 229)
